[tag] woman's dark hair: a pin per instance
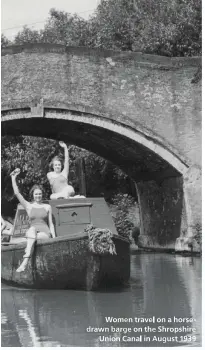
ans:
(53, 160)
(35, 187)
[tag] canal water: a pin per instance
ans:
(162, 298)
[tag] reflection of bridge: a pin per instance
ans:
(142, 112)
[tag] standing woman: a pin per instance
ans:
(58, 178)
(40, 215)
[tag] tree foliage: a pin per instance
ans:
(31, 155)
(64, 28)
(163, 27)
(4, 41)
(27, 35)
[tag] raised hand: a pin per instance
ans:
(62, 144)
(15, 172)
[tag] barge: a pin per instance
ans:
(87, 252)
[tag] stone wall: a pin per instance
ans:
(149, 93)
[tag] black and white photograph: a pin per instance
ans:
(101, 173)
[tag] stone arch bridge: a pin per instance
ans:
(142, 112)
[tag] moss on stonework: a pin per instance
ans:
(198, 234)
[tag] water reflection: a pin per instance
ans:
(190, 271)
(162, 285)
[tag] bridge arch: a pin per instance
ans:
(112, 140)
(114, 104)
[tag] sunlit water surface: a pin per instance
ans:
(163, 285)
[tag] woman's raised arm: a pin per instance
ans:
(66, 157)
(21, 199)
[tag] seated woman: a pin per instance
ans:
(40, 215)
(58, 178)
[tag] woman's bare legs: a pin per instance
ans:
(31, 236)
(67, 192)
(57, 196)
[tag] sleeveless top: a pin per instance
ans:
(39, 219)
(58, 183)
